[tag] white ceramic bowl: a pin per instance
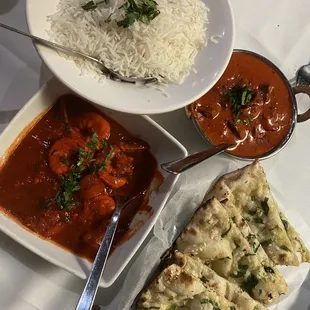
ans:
(210, 64)
(163, 146)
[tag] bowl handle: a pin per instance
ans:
(302, 89)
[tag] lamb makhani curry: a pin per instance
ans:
(63, 179)
(249, 107)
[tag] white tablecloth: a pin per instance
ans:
(278, 29)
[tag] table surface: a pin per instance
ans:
(278, 29)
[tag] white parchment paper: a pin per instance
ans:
(175, 216)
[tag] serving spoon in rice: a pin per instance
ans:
(111, 73)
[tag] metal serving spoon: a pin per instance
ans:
(87, 298)
(303, 75)
(178, 166)
(113, 74)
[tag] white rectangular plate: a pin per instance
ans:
(163, 146)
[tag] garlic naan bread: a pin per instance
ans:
(212, 236)
(247, 189)
(233, 293)
(175, 289)
(235, 215)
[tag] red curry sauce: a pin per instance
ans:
(34, 193)
(250, 106)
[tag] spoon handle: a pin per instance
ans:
(87, 298)
(50, 44)
(178, 166)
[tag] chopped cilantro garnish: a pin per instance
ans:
(69, 185)
(266, 242)
(63, 119)
(104, 144)
(101, 166)
(239, 97)
(248, 120)
(285, 222)
(65, 161)
(210, 301)
(265, 206)
(249, 284)
(251, 238)
(268, 269)
(93, 143)
(91, 5)
(285, 248)
(143, 10)
(204, 279)
(241, 272)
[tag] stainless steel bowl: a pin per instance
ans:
(297, 118)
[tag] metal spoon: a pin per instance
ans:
(87, 298)
(303, 75)
(178, 166)
(113, 74)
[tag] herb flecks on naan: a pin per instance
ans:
(249, 191)
(214, 238)
(240, 222)
(175, 289)
(210, 278)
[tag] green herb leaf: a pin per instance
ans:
(248, 120)
(265, 206)
(101, 166)
(93, 143)
(173, 307)
(285, 248)
(62, 118)
(145, 12)
(227, 231)
(266, 242)
(241, 272)
(91, 5)
(210, 301)
(285, 223)
(204, 279)
(65, 161)
(268, 269)
(239, 98)
(249, 284)
(251, 238)
(104, 144)
(69, 185)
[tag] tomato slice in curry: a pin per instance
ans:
(64, 178)
(250, 107)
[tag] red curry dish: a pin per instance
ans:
(250, 107)
(64, 177)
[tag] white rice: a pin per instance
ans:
(166, 48)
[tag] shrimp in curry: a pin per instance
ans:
(72, 174)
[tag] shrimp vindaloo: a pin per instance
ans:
(64, 178)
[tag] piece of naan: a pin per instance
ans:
(175, 289)
(248, 190)
(232, 292)
(212, 236)
(235, 215)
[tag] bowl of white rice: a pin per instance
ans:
(185, 44)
